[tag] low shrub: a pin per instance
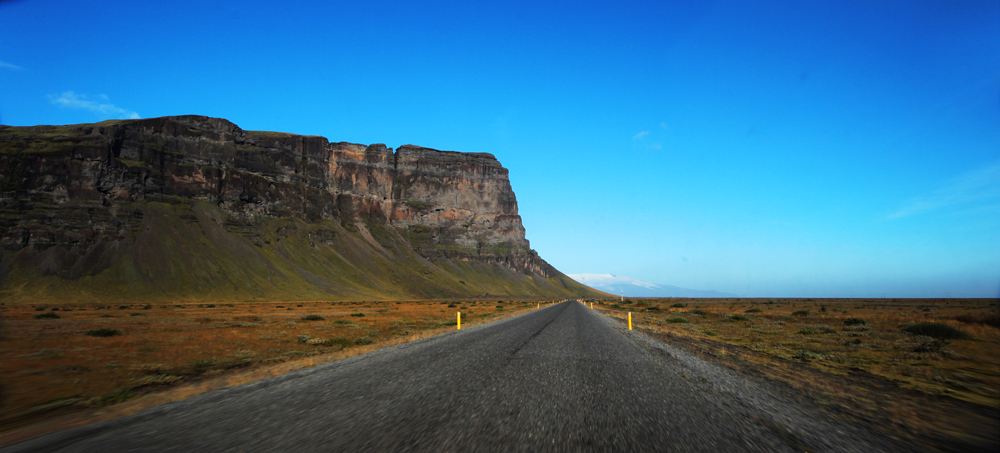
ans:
(679, 305)
(677, 320)
(358, 315)
(49, 354)
(854, 322)
(931, 345)
(452, 305)
(343, 322)
(201, 366)
(861, 328)
(699, 312)
(642, 302)
(103, 332)
(738, 318)
(617, 306)
(312, 318)
(989, 320)
(47, 315)
(341, 342)
(754, 310)
(811, 330)
(800, 313)
(807, 355)
(114, 397)
(935, 330)
(363, 341)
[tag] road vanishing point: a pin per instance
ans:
(561, 378)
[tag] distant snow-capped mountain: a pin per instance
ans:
(632, 287)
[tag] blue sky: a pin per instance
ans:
(847, 148)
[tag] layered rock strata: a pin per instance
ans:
(72, 194)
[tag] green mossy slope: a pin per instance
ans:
(187, 250)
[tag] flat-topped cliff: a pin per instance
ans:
(192, 206)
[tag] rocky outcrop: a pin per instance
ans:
(80, 188)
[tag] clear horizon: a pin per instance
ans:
(766, 149)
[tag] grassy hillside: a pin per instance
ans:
(188, 250)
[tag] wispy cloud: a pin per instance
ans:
(610, 279)
(645, 141)
(5, 65)
(976, 187)
(102, 105)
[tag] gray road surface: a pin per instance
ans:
(563, 378)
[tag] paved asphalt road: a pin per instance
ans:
(563, 378)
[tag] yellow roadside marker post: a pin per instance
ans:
(591, 305)
(460, 321)
(629, 320)
(539, 306)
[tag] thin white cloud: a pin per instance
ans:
(102, 105)
(982, 185)
(5, 65)
(609, 279)
(640, 135)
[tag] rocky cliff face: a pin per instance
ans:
(76, 200)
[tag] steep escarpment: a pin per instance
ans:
(195, 207)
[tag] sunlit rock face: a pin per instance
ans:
(76, 187)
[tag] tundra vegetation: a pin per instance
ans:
(60, 358)
(927, 368)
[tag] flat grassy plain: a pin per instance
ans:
(58, 359)
(865, 359)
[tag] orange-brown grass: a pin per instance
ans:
(50, 366)
(782, 338)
